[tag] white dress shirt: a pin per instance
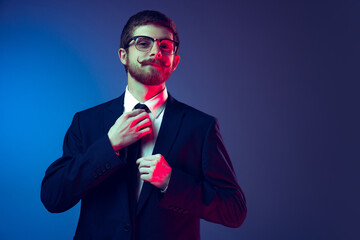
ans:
(156, 105)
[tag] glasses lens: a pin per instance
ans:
(167, 46)
(144, 44)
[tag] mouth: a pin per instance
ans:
(154, 65)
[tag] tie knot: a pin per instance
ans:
(142, 106)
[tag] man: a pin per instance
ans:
(148, 173)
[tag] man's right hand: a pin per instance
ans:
(128, 128)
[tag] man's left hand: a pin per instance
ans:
(155, 169)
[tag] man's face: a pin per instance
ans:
(152, 67)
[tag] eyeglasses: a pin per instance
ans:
(145, 44)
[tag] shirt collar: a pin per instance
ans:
(156, 104)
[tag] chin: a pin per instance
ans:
(150, 79)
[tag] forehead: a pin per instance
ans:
(154, 31)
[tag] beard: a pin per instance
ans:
(147, 74)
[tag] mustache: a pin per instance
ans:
(150, 61)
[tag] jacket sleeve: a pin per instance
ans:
(84, 165)
(216, 197)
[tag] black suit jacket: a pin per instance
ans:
(202, 185)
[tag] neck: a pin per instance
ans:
(143, 92)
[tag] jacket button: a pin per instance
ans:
(108, 166)
(127, 227)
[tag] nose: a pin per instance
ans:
(155, 50)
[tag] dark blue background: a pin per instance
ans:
(282, 77)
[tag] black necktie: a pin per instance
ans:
(142, 106)
(136, 146)
(134, 152)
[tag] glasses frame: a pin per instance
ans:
(153, 39)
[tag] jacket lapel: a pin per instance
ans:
(167, 134)
(113, 111)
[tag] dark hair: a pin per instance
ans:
(147, 17)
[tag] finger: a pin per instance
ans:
(125, 116)
(134, 112)
(145, 177)
(131, 114)
(144, 131)
(145, 160)
(146, 170)
(140, 115)
(147, 165)
(135, 120)
(151, 157)
(143, 124)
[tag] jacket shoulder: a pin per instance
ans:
(194, 115)
(114, 105)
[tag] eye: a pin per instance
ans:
(166, 45)
(143, 43)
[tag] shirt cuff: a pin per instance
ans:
(164, 191)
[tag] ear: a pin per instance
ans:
(123, 56)
(176, 62)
